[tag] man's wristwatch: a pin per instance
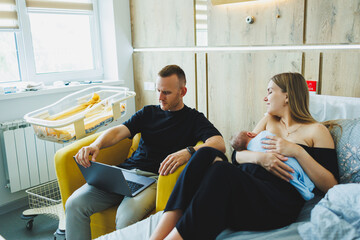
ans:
(191, 150)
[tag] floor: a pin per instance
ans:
(12, 227)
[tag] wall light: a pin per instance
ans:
(218, 2)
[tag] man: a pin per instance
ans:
(168, 133)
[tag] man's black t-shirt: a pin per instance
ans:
(163, 133)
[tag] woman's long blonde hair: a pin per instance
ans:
(295, 86)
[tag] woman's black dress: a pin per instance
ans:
(241, 197)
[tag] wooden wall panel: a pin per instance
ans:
(146, 68)
(202, 88)
(162, 23)
(341, 73)
(276, 22)
(333, 21)
(238, 84)
(311, 69)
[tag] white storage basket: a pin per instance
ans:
(45, 198)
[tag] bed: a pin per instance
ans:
(340, 205)
(330, 216)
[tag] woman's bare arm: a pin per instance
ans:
(322, 178)
(272, 162)
(246, 156)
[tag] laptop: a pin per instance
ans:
(115, 179)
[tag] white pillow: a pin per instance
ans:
(323, 107)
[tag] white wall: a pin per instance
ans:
(115, 28)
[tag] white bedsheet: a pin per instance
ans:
(336, 216)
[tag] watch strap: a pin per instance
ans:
(191, 150)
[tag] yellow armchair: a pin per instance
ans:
(165, 186)
(70, 178)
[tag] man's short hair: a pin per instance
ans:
(169, 70)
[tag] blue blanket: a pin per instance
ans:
(336, 216)
(300, 180)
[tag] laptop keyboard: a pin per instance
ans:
(134, 186)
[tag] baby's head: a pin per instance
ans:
(240, 140)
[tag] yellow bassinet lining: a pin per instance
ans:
(95, 117)
(94, 100)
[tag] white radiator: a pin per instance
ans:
(28, 160)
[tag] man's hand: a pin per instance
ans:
(82, 157)
(106, 139)
(173, 161)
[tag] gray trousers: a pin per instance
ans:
(88, 200)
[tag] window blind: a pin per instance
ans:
(8, 15)
(201, 11)
(201, 22)
(85, 5)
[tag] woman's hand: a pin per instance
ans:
(274, 163)
(280, 146)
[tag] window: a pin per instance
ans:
(9, 65)
(61, 43)
(56, 40)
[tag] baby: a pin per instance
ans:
(252, 142)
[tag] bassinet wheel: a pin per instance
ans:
(30, 218)
(29, 224)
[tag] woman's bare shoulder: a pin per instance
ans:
(320, 135)
(265, 122)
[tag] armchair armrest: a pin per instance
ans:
(68, 174)
(165, 186)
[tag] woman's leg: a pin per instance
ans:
(174, 235)
(166, 224)
(231, 197)
(185, 188)
(207, 214)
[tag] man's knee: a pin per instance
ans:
(128, 214)
(71, 203)
(132, 210)
(133, 213)
(75, 204)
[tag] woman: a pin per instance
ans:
(212, 195)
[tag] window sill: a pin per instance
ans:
(62, 89)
